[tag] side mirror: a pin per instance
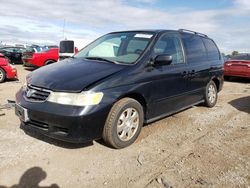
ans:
(163, 60)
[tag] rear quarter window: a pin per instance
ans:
(212, 50)
(194, 47)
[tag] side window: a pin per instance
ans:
(171, 45)
(212, 50)
(195, 49)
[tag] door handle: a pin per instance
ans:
(188, 74)
(192, 74)
(184, 74)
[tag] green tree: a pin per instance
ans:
(235, 53)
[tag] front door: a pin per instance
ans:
(169, 82)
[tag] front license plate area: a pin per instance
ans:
(22, 113)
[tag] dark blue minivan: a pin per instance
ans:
(119, 82)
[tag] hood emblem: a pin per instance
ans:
(30, 92)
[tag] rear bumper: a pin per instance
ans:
(237, 74)
(238, 71)
(62, 122)
(29, 63)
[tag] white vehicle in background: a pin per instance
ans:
(67, 49)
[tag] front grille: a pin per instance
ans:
(61, 131)
(36, 94)
(39, 125)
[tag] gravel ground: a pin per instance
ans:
(199, 147)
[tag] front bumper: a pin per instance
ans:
(62, 122)
(11, 72)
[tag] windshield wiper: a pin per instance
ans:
(102, 59)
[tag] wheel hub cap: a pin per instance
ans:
(128, 124)
(211, 94)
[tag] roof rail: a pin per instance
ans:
(194, 32)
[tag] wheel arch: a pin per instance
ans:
(138, 97)
(217, 82)
(3, 69)
(49, 60)
(5, 72)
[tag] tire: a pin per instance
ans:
(123, 113)
(49, 62)
(2, 75)
(211, 95)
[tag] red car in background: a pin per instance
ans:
(38, 57)
(238, 66)
(7, 71)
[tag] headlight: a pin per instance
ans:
(76, 99)
(24, 86)
(12, 66)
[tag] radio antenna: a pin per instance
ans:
(63, 28)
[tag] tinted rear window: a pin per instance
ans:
(212, 50)
(195, 49)
(241, 57)
(66, 47)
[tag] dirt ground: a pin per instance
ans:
(199, 147)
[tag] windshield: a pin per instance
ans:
(36, 48)
(241, 57)
(118, 47)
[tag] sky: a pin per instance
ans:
(42, 21)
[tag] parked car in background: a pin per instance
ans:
(13, 53)
(67, 49)
(238, 66)
(40, 56)
(7, 71)
(119, 82)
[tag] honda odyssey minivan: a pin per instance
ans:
(119, 82)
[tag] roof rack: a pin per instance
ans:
(194, 32)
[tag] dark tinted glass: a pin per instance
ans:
(195, 49)
(66, 47)
(212, 50)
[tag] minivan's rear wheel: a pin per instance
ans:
(211, 94)
(2, 75)
(123, 124)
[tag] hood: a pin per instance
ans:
(72, 75)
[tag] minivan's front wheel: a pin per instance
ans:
(211, 95)
(124, 123)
